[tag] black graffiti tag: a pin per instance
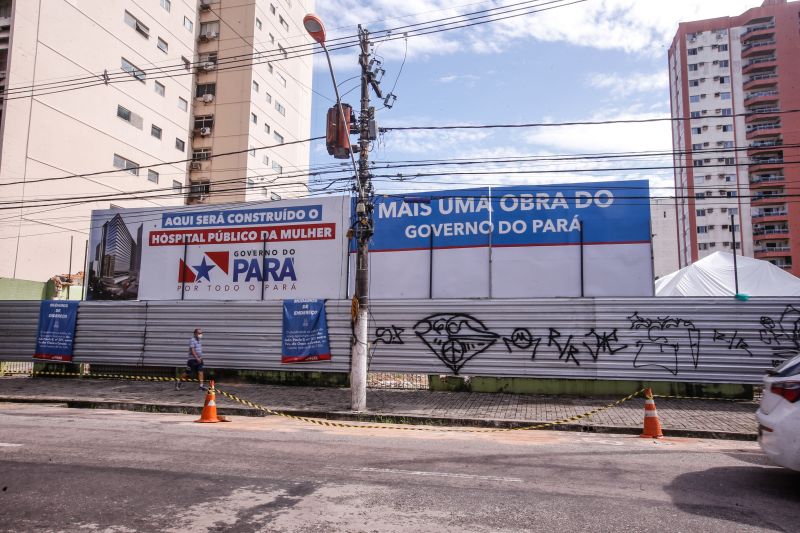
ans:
(566, 350)
(603, 343)
(660, 335)
(389, 335)
(733, 340)
(522, 339)
(454, 338)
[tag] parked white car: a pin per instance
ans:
(779, 415)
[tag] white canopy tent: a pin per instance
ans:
(713, 276)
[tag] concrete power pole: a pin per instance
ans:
(363, 231)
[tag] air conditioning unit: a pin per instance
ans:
(195, 165)
(205, 132)
(208, 98)
(208, 66)
(208, 36)
(205, 5)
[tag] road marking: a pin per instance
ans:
(9, 445)
(424, 473)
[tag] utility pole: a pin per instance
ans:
(363, 230)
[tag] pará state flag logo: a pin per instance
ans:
(191, 273)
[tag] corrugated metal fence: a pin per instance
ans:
(680, 339)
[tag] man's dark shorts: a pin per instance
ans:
(193, 367)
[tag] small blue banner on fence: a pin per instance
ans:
(57, 320)
(305, 332)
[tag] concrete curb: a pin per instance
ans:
(384, 418)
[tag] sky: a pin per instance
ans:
(594, 60)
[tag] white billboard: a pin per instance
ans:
(274, 250)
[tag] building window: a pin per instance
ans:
(702, 246)
(152, 175)
(697, 163)
(694, 83)
(692, 67)
(258, 23)
(727, 127)
(137, 25)
(133, 70)
(271, 39)
(697, 130)
(724, 63)
(694, 98)
(725, 96)
(126, 164)
(201, 154)
(272, 9)
(695, 114)
(123, 113)
(701, 212)
(733, 211)
(265, 159)
(160, 89)
(270, 68)
(267, 129)
(183, 105)
(281, 79)
(155, 131)
(186, 63)
(203, 121)
(255, 85)
(698, 146)
(274, 196)
(199, 188)
(177, 185)
(283, 23)
(204, 89)
(279, 108)
(166, 4)
(252, 152)
(723, 48)
(180, 145)
(269, 98)
(278, 137)
(162, 45)
(209, 30)
(282, 50)
(724, 80)
(727, 144)
(253, 118)
(276, 167)
(691, 51)
(188, 24)
(702, 229)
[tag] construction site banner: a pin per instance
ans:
(57, 320)
(256, 251)
(589, 239)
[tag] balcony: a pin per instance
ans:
(760, 63)
(763, 130)
(761, 234)
(764, 144)
(765, 179)
(759, 80)
(766, 215)
(771, 252)
(761, 97)
(768, 196)
(751, 31)
(757, 47)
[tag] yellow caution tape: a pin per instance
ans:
(328, 423)
(667, 397)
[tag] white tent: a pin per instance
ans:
(713, 276)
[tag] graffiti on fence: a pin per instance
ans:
(666, 343)
(454, 338)
(783, 336)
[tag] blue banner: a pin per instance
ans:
(614, 212)
(305, 332)
(57, 321)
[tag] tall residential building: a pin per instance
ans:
(240, 109)
(733, 88)
(665, 238)
(140, 70)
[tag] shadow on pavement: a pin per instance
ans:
(764, 497)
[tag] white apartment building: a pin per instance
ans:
(143, 111)
(665, 236)
(242, 109)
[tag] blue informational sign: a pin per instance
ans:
(57, 321)
(305, 332)
(615, 212)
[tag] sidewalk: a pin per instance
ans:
(679, 417)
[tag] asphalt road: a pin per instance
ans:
(94, 470)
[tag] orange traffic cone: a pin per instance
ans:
(209, 414)
(652, 426)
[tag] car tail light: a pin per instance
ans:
(789, 390)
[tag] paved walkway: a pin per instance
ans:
(679, 417)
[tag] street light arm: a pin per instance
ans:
(341, 115)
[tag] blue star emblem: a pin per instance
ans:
(203, 269)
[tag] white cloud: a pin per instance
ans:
(465, 79)
(637, 26)
(622, 85)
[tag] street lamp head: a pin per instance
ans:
(314, 27)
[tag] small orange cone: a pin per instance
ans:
(652, 426)
(209, 414)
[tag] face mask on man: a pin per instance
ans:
(199, 335)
